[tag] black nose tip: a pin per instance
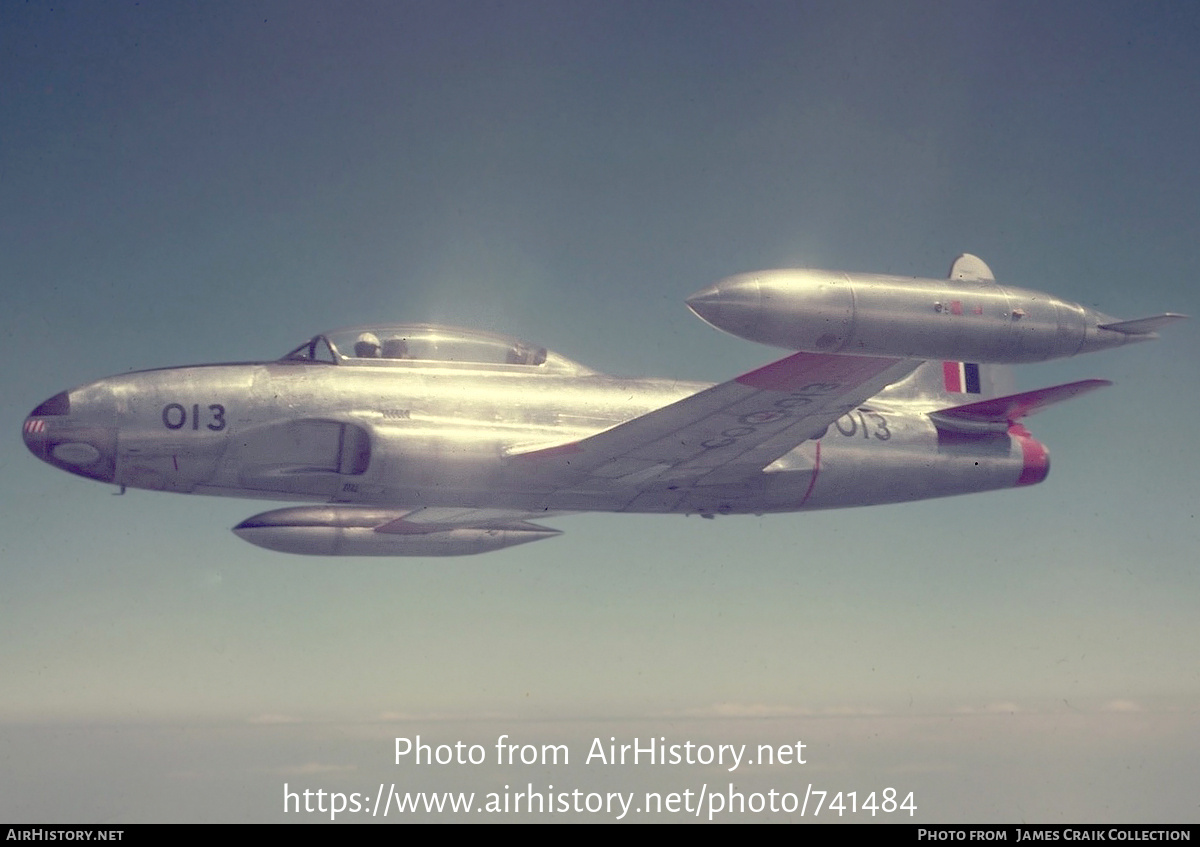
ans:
(34, 431)
(59, 404)
(71, 442)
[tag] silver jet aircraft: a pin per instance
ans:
(421, 440)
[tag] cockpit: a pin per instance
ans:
(383, 346)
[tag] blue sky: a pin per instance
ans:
(184, 184)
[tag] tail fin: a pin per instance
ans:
(953, 383)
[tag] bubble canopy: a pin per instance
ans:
(399, 344)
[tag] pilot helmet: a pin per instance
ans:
(367, 346)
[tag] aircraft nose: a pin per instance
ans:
(34, 431)
(57, 437)
(34, 434)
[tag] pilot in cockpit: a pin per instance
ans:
(395, 348)
(367, 346)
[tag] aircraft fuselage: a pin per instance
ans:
(443, 436)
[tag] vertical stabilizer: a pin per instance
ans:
(956, 382)
(953, 383)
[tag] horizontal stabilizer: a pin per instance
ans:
(1143, 326)
(998, 413)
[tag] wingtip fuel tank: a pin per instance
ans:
(355, 531)
(966, 317)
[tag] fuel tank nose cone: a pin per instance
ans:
(706, 304)
(732, 305)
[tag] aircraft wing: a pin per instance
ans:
(722, 433)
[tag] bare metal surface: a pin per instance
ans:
(968, 316)
(424, 440)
